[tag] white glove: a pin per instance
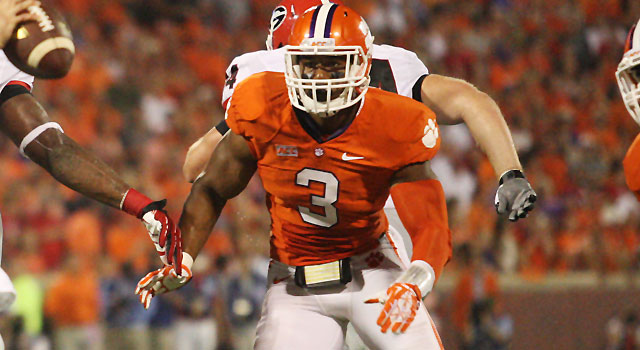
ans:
(164, 280)
(402, 299)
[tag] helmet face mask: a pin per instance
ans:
(346, 45)
(628, 74)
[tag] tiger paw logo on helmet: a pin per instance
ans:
(430, 137)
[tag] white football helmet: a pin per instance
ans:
(628, 73)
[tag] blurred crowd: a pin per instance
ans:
(146, 83)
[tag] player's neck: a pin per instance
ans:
(329, 125)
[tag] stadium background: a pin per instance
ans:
(146, 83)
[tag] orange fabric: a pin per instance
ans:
(83, 236)
(73, 299)
(296, 169)
(631, 165)
(463, 295)
(422, 209)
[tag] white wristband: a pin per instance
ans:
(187, 260)
(421, 274)
(33, 134)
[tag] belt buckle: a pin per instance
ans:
(324, 275)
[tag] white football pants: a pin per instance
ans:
(316, 318)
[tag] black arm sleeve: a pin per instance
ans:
(12, 90)
(222, 127)
(416, 92)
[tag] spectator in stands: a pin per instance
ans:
(73, 304)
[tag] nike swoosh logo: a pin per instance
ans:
(278, 280)
(347, 158)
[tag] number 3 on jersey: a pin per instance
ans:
(331, 185)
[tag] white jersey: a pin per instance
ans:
(393, 69)
(9, 73)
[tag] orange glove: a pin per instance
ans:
(400, 305)
(402, 299)
(163, 280)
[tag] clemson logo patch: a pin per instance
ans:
(430, 134)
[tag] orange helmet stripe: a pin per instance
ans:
(629, 44)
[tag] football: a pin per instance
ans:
(42, 48)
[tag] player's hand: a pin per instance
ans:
(164, 233)
(515, 195)
(163, 280)
(401, 302)
(402, 299)
(10, 16)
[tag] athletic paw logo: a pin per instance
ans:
(374, 259)
(430, 134)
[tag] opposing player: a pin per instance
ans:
(628, 76)
(27, 124)
(308, 133)
(400, 71)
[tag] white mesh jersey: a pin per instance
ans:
(9, 73)
(393, 69)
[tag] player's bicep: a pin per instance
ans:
(447, 97)
(414, 172)
(20, 115)
(230, 168)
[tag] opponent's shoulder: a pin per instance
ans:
(396, 54)
(248, 64)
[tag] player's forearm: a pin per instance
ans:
(199, 154)
(455, 101)
(82, 171)
(490, 131)
(199, 215)
(422, 209)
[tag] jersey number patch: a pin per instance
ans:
(231, 79)
(382, 76)
(331, 186)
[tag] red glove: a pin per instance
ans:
(164, 233)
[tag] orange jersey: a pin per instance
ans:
(325, 196)
(631, 165)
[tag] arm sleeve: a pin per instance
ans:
(222, 127)
(12, 90)
(422, 209)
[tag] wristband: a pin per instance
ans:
(133, 202)
(187, 260)
(511, 174)
(420, 274)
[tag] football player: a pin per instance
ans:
(396, 70)
(628, 76)
(308, 133)
(43, 141)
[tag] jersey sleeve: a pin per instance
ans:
(247, 65)
(407, 68)
(419, 135)
(9, 74)
(252, 112)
